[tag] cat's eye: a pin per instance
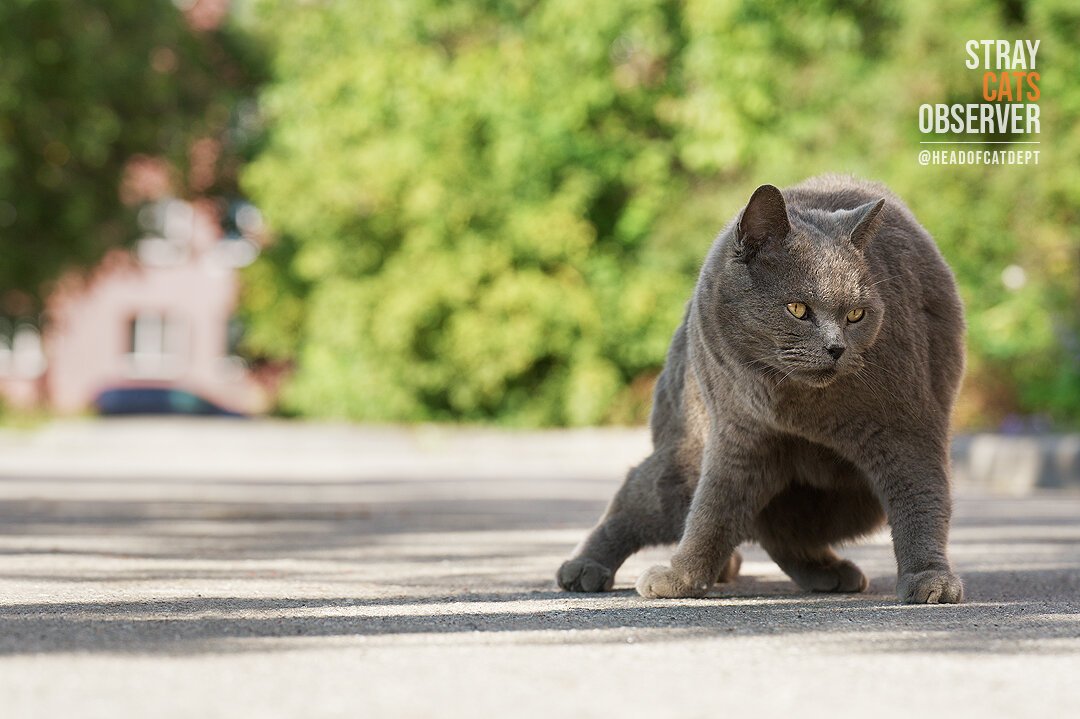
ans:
(856, 314)
(797, 309)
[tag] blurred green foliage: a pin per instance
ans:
(496, 210)
(84, 86)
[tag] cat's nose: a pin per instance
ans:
(835, 350)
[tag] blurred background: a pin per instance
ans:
(482, 211)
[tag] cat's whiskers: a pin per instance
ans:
(759, 360)
(873, 388)
(881, 368)
(870, 374)
(878, 282)
(761, 363)
(789, 373)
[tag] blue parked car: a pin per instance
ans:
(156, 400)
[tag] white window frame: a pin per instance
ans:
(157, 345)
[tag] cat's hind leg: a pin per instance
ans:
(800, 524)
(818, 569)
(731, 569)
(649, 509)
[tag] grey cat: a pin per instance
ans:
(805, 400)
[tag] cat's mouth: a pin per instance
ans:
(819, 377)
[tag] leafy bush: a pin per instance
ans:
(496, 210)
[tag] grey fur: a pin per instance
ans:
(760, 434)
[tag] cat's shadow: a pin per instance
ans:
(1008, 612)
(748, 587)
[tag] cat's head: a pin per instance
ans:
(795, 284)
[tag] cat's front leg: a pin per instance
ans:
(914, 485)
(735, 484)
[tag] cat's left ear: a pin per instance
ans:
(864, 222)
(764, 217)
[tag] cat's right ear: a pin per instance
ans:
(865, 221)
(765, 217)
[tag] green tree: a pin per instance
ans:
(496, 210)
(84, 86)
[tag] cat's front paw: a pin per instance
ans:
(662, 582)
(934, 586)
(585, 575)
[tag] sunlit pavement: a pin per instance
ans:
(225, 568)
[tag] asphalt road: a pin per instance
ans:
(229, 569)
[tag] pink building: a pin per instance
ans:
(158, 316)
